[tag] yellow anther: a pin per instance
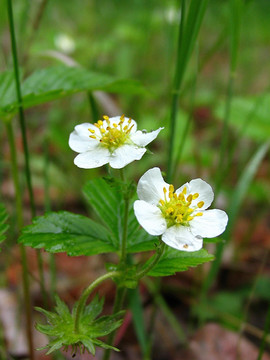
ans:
(189, 198)
(164, 190)
(100, 122)
(122, 117)
(97, 125)
(181, 197)
(129, 120)
(190, 218)
(129, 130)
(200, 204)
(175, 196)
(102, 131)
(170, 195)
(189, 211)
(126, 127)
(185, 246)
(92, 136)
(179, 218)
(171, 188)
(162, 202)
(115, 125)
(91, 131)
(199, 214)
(105, 117)
(170, 211)
(184, 191)
(108, 128)
(195, 196)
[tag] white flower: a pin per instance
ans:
(179, 216)
(114, 140)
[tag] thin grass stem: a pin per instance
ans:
(24, 136)
(188, 32)
(19, 216)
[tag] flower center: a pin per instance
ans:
(111, 135)
(176, 208)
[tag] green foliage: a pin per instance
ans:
(173, 261)
(57, 82)
(223, 306)
(3, 225)
(107, 200)
(78, 235)
(250, 116)
(67, 232)
(61, 327)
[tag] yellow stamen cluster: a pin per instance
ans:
(176, 208)
(111, 135)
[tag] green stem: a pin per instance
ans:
(155, 260)
(123, 255)
(19, 215)
(23, 132)
(87, 292)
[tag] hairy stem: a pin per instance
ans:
(87, 292)
(155, 260)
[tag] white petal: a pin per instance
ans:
(150, 186)
(81, 143)
(116, 119)
(204, 190)
(150, 217)
(212, 223)
(142, 139)
(92, 159)
(181, 238)
(124, 155)
(82, 130)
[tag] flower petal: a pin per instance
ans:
(212, 223)
(92, 159)
(81, 143)
(204, 190)
(124, 155)
(143, 138)
(181, 238)
(150, 217)
(150, 186)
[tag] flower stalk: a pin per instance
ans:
(88, 291)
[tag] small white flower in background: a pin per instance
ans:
(64, 43)
(179, 216)
(114, 140)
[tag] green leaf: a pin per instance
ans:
(57, 82)
(174, 260)
(107, 200)
(67, 232)
(3, 225)
(61, 325)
